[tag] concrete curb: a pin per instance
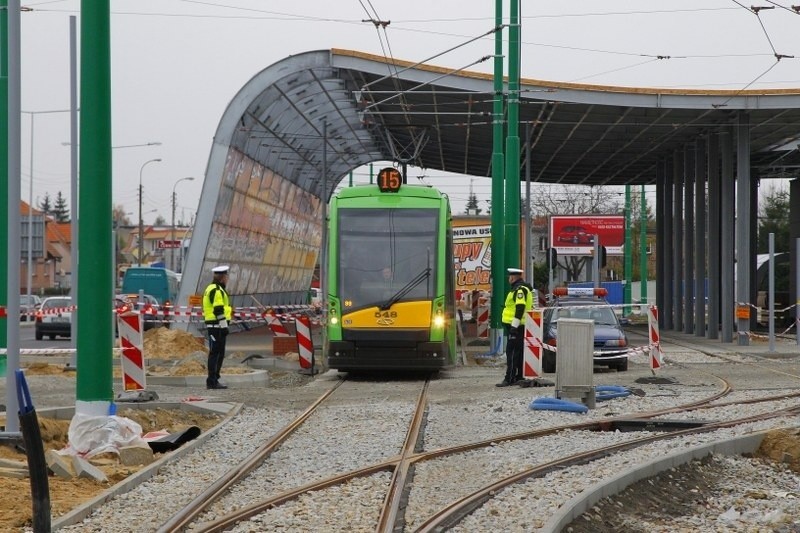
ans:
(77, 515)
(584, 501)
(256, 377)
(273, 362)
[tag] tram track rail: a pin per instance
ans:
(450, 515)
(397, 463)
(201, 502)
(389, 468)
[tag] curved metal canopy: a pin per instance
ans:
(339, 110)
(433, 118)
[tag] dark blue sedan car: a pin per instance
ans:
(610, 342)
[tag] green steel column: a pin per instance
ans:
(643, 248)
(4, 166)
(94, 381)
(498, 267)
(628, 267)
(512, 241)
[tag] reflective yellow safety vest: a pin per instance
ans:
(215, 295)
(519, 294)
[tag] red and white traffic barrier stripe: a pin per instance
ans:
(656, 355)
(304, 345)
(132, 358)
(276, 326)
(532, 350)
(483, 319)
(50, 351)
(56, 310)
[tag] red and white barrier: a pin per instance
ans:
(304, 345)
(483, 318)
(132, 357)
(656, 355)
(276, 326)
(532, 349)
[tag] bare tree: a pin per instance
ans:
(555, 199)
(119, 216)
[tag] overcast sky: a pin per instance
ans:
(176, 64)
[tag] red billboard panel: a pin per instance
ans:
(575, 234)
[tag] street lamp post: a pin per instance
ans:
(141, 221)
(29, 269)
(174, 199)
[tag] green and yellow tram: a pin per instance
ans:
(390, 279)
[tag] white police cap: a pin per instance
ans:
(514, 271)
(223, 269)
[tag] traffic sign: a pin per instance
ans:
(168, 244)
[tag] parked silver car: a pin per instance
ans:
(54, 318)
(28, 305)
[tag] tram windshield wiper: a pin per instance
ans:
(419, 278)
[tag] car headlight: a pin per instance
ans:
(617, 343)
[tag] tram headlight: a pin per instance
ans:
(334, 320)
(438, 321)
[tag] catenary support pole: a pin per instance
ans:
(498, 266)
(643, 274)
(628, 265)
(323, 263)
(13, 217)
(73, 173)
(528, 222)
(771, 304)
(3, 168)
(94, 380)
(511, 237)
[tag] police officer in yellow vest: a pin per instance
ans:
(519, 301)
(217, 312)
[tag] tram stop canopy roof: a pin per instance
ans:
(438, 118)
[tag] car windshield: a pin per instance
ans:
(601, 315)
(52, 303)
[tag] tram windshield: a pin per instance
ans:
(381, 255)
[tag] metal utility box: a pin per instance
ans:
(574, 361)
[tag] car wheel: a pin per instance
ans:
(622, 366)
(548, 362)
(38, 335)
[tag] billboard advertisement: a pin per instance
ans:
(575, 234)
(267, 228)
(472, 254)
